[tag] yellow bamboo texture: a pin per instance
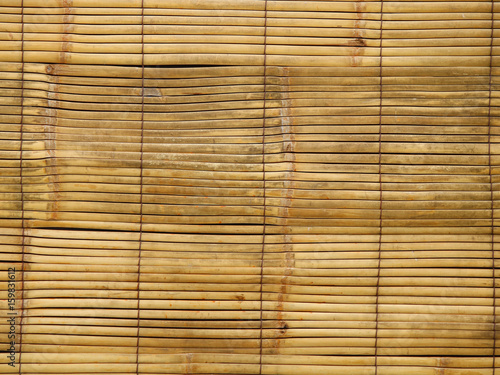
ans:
(254, 187)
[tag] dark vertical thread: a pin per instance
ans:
(380, 187)
(263, 184)
(23, 243)
(141, 191)
(491, 190)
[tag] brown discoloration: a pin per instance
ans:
(67, 5)
(288, 148)
(52, 97)
(67, 29)
(55, 183)
(54, 210)
(359, 5)
(189, 360)
(444, 362)
(354, 60)
(53, 70)
(284, 328)
(358, 42)
(286, 115)
(288, 142)
(289, 265)
(50, 142)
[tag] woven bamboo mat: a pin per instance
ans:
(249, 187)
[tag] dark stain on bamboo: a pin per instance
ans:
(288, 150)
(359, 43)
(55, 182)
(49, 127)
(288, 265)
(67, 25)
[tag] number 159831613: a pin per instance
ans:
(11, 288)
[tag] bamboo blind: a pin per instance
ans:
(249, 187)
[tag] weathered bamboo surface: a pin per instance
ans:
(250, 187)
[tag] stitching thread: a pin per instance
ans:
(491, 190)
(263, 185)
(380, 188)
(141, 189)
(22, 189)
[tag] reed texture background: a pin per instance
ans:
(250, 187)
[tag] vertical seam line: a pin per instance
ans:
(380, 187)
(263, 186)
(491, 188)
(23, 245)
(141, 191)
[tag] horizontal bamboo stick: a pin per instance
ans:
(240, 59)
(227, 48)
(214, 71)
(287, 82)
(344, 6)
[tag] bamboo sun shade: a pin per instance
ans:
(249, 187)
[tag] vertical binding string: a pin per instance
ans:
(491, 190)
(380, 187)
(23, 239)
(263, 184)
(141, 192)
